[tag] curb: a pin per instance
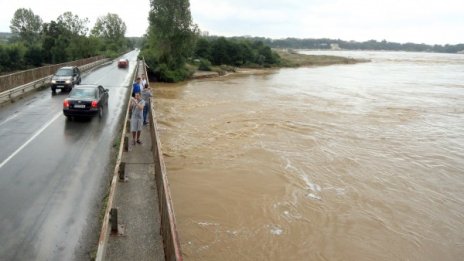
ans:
(103, 239)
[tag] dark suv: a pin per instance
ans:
(65, 78)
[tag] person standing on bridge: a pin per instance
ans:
(146, 94)
(144, 81)
(136, 87)
(137, 104)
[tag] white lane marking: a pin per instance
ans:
(30, 139)
(9, 118)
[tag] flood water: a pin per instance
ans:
(343, 162)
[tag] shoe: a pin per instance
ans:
(139, 141)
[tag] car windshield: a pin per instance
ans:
(83, 93)
(64, 72)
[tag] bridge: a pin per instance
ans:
(70, 190)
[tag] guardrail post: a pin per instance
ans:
(122, 172)
(116, 229)
(128, 125)
(126, 144)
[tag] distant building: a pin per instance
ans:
(335, 46)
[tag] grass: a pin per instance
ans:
(292, 59)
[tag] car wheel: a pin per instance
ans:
(53, 90)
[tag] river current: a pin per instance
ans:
(341, 162)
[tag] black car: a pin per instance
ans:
(86, 101)
(65, 78)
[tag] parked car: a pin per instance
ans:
(123, 63)
(86, 101)
(65, 78)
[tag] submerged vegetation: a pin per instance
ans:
(170, 39)
(293, 59)
(240, 53)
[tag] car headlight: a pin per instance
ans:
(68, 81)
(53, 81)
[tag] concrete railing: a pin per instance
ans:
(168, 229)
(24, 88)
(13, 80)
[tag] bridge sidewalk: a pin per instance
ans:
(137, 204)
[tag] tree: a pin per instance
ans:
(171, 37)
(110, 27)
(55, 40)
(26, 24)
(202, 49)
(219, 52)
(33, 56)
(77, 26)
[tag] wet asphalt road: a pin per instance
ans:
(54, 172)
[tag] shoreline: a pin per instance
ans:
(289, 58)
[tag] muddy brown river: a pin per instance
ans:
(343, 162)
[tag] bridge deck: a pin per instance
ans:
(138, 207)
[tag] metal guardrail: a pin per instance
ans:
(20, 90)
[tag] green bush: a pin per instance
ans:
(12, 57)
(165, 74)
(234, 52)
(205, 65)
(33, 56)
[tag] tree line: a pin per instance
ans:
(235, 52)
(173, 41)
(324, 43)
(35, 43)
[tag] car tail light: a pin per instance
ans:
(66, 104)
(94, 104)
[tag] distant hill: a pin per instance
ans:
(331, 44)
(5, 36)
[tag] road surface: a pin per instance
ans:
(54, 172)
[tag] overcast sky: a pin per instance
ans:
(431, 22)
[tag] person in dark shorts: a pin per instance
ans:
(146, 94)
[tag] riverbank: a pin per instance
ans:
(292, 58)
(289, 58)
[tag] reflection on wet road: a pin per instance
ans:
(54, 172)
(345, 162)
